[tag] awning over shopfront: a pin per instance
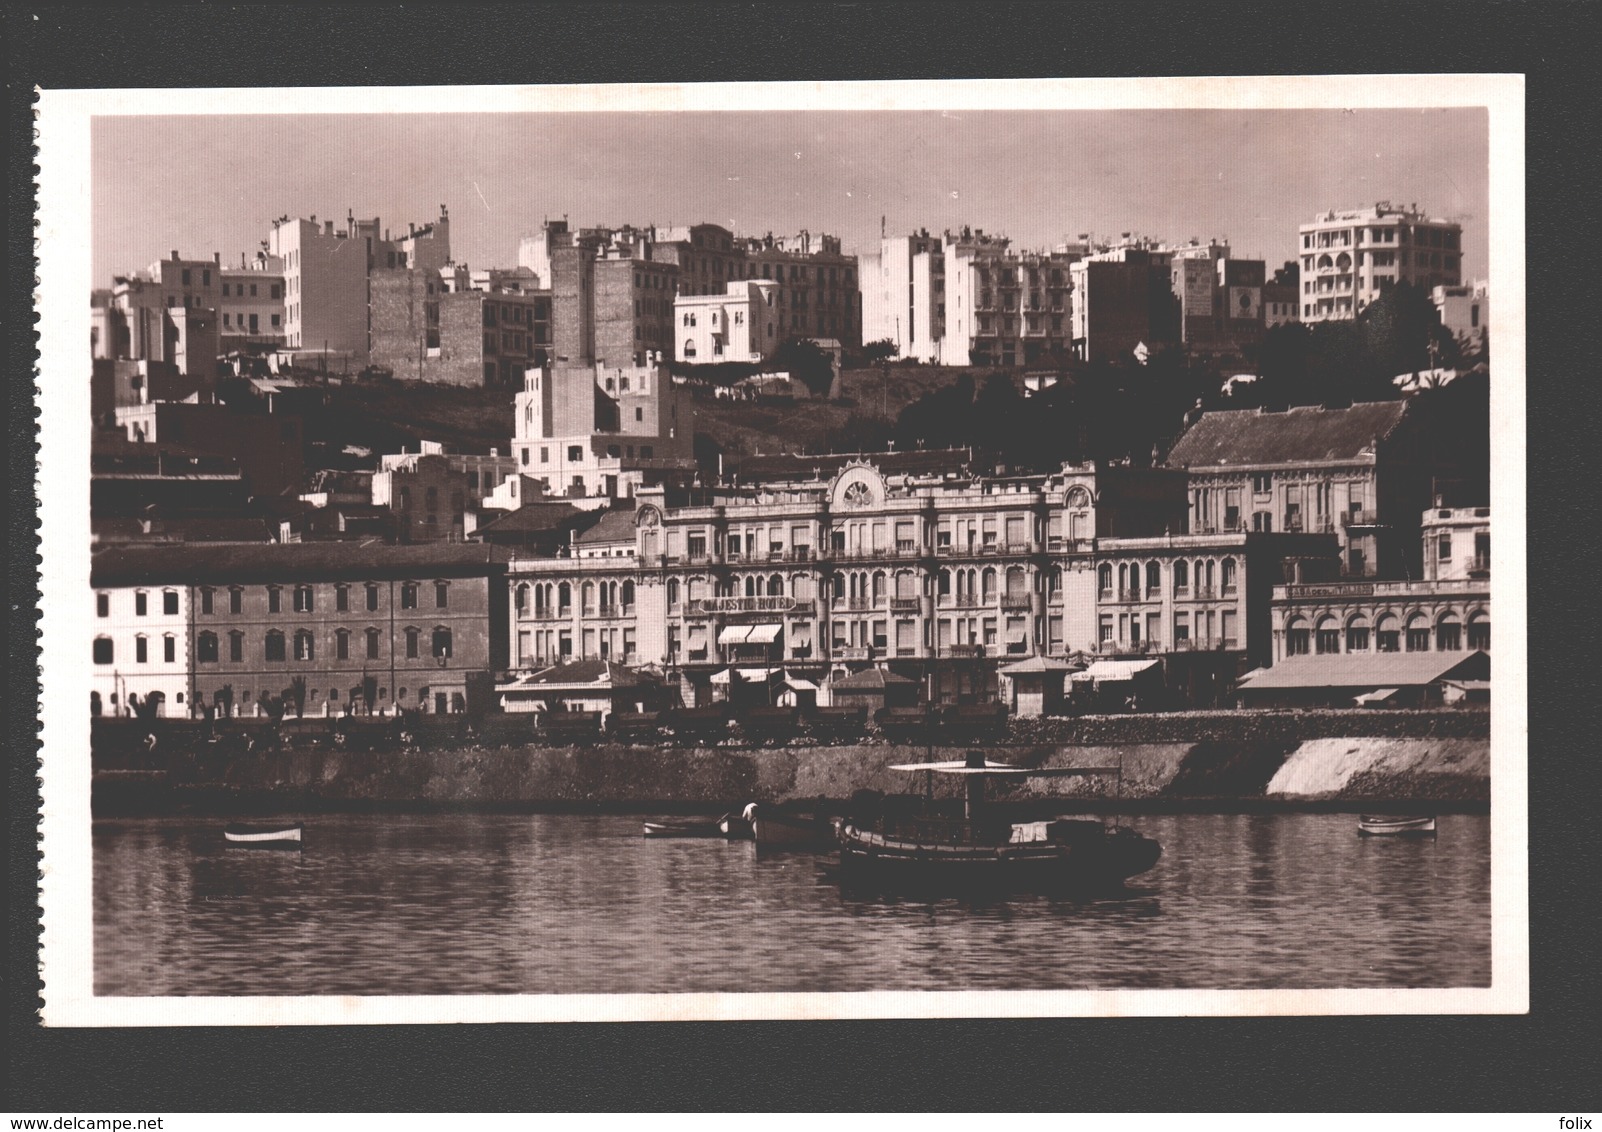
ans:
(746, 675)
(749, 634)
(1113, 670)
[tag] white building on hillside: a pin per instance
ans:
(739, 325)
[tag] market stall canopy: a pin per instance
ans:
(749, 634)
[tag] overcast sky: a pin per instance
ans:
(213, 183)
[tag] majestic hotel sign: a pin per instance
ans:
(777, 604)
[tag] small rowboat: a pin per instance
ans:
(773, 828)
(285, 835)
(683, 827)
(1376, 825)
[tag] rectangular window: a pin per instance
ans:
(236, 647)
(169, 649)
(274, 600)
(141, 649)
(441, 595)
(102, 605)
(372, 597)
(141, 603)
(342, 598)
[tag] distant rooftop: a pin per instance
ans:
(290, 562)
(1305, 433)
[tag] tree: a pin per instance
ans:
(224, 700)
(296, 694)
(369, 693)
(881, 351)
(806, 362)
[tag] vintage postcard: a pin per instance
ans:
(859, 550)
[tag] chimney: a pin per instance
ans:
(175, 253)
(216, 257)
(328, 227)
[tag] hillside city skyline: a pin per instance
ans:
(1249, 177)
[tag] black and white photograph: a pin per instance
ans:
(775, 551)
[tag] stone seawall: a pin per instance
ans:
(1195, 774)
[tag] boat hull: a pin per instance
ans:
(1384, 826)
(872, 860)
(264, 836)
(772, 831)
(683, 828)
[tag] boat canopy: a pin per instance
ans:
(991, 767)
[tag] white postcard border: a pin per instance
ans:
(64, 282)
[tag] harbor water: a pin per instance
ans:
(389, 904)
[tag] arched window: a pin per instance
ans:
(564, 598)
(1227, 575)
(689, 348)
(1053, 580)
(522, 598)
(1328, 637)
(1479, 631)
(839, 587)
(1418, 633)
(1181, 575)
(442, 642)
(673, 592)
(372, 644)
(628, 595)
(236, 646)
(342, 644)
(589, 597)
(411, 644)
(1017, 582)
(988, 581)
(1123, 579)
(878, 587)
(943, 583)
(274, 645)
(1154, 579)
(776, 586)
(1448, 633)
(206, 648)
(1104, 577)
(751, 587)
(1357, 634)
(305, 645)
(1298, 638)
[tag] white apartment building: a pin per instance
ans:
(140, 649)
(740, 325)
(1465, 311)
(1350, 257)
(904, 294)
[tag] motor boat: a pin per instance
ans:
(280, 835)
(1388, 825)
(983, 853)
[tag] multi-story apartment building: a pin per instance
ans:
(443, 325)
(941, 577)
(904, 294)
(167, 314)
(416, 626)
(327, 300)
(1221, 303)
(602, 431)
(251, 304)
(1123, 301)
(1448, 610)
(739, 325)
(613, 288)
(1004, 306)
(141, 642)
(269, 447)
(431, 491)
(1363, 473)
(1350, 257)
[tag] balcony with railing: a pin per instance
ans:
(1016, 603)
(1479, 566)
(905, 605)
(853, 652)
(963, 651)
(1200, 644)
(1128, 648)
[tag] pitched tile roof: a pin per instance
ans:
(870, 679)
(544, 516)
(1305, 433)
(616, 525)
(222, 563)
(600, 673)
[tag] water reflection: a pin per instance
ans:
(499, 904)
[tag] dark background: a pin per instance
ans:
(1540, 1062)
